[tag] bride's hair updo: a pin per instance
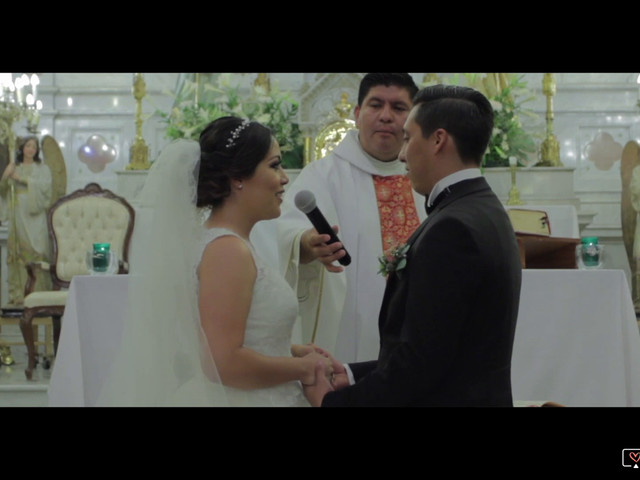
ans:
(230, 149)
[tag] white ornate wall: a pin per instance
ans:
(595, 115)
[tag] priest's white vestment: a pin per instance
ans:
(339, 311)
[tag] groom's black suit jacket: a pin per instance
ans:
(448, 319)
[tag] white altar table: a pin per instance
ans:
(89, 338)
(577, 341)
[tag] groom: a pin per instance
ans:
(448, 316)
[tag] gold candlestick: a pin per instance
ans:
(431, 78)
(550, 148)
(307, 151)
(139, 154)
(514, 194)
(263, 81)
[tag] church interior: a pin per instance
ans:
(571, 157)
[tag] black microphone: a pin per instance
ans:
(306, 202)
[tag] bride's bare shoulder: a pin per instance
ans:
(227, 251)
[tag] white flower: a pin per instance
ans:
(224, 80)
(497, 106)
(264, 118)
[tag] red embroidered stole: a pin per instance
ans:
(398, 215)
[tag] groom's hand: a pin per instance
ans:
(316, 392)
(340, 378)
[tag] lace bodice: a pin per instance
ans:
(274, 309)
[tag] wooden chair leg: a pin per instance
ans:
(27, 334)
(48, 341)
(56, 332)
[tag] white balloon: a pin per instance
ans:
(96, 153)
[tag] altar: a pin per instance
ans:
(576, 342)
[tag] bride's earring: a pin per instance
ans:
(239, 186)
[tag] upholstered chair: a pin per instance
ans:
(76, 221)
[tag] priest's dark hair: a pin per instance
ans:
(401, 80)
(230, 149)
(465, 113)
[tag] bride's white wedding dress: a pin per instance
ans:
(164, 354)
(273, 312)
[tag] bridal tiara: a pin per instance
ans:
(231, 141)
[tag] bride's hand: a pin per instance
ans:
(302, 350)
(339, 379)
(311, 360)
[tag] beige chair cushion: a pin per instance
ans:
(46, 299)
(80, 223)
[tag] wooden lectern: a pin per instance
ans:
(538, 249)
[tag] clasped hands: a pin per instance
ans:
(330, 374)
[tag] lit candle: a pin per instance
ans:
(18, 84)
(10, 98)
(5, 80)
(35, 81)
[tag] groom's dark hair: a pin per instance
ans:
(465, 113)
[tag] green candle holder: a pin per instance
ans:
(100, 257)
(589, 253)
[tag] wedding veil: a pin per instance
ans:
(163, 348)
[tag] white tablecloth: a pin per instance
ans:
(577, 341)
(90, 336)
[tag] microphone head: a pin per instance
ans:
(305, 201)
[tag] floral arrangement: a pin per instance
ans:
(509, 138)
(394, 260)
(271, 107)
(507, 93)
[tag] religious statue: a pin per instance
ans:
(630, 210)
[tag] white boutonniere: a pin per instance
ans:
(393, 261)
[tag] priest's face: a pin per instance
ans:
(380, 119)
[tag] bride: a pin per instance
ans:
(209, 322)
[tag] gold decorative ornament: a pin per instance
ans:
(514, 193)
(139, 152)
(263, 81)
(431, 78)
(550, 148)
(332, 134)
(6, 358)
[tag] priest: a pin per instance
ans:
(362, 189)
